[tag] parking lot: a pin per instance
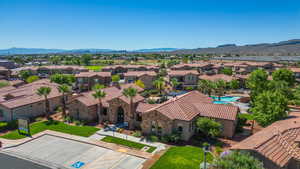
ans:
(72, 154)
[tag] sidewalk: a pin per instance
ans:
(101, 134)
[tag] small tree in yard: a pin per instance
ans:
(284, 75)
(45, 91)
(140, 84)
(115, 79)
(269, 107)
(99, 94)
(237, 160)
(174, 83)
(209, 127)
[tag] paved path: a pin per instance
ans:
(101, 134)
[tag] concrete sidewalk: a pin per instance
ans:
(101, 134)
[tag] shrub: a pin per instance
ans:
(31, 79)
(209, 127)
(153, 138)
(137, 134)
(39, 119)
(165, 139)
(151, 101)
(175, 137)
(77, 122)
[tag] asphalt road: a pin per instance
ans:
(11, 162)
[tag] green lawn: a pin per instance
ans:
(127, 143)
(181, 157)
(37, 127)
(94, 68)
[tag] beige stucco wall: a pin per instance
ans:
(30, 110)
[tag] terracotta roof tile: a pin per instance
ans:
(182, 72)
(140, 73)
(277, 142)
(217, 77)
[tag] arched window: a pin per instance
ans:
(153, 126)
(180, 129)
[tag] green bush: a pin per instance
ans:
(153, 138)
(137, 134)
(31, 79)
(77, 122)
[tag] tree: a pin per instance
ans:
(206, 86)
(174, 83)
(64, 89)
(237, 159)
(86, 59)
(280, 86)
(234, 84)
(130, 93)
(62, 79)
(269, 107)
(24, 74)
(140, 84)
(99, 94)
(32, 78)
(226, 71)
(257, 82)
(45, 91)
(209, 127)
(159, 84)
(115, 78)
(220, 87)
(284, 75)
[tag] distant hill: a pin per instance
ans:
(290, 47)
(15, 51)
(283, 48)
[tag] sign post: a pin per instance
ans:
(23, 126)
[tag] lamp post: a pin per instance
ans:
(206, 150)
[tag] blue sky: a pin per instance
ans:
(136, 24)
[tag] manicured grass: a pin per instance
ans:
(38, 127)
(183, 157)
(127, 143)
(94, 68)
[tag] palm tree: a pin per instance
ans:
(206, 86)
(64, 89)
(174, 83)
(130, 93)
(45, 91)
(99, 94)
(159, 84)
(220, 86)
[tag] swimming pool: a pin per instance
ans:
(225, 99)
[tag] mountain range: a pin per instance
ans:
(289, 48)
(283, 48)
(16, 51)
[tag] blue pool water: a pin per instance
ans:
(225, 99)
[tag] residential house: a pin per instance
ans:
(277, 146)
(296, 72)
(121, 69)
(180, 114)
(147, 77)
(24, 102)
(186, 77)
(86, 80)
(4, 73)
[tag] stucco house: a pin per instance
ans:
(186, 77)
(24, 102)
(86, 80)
(4, 73)
(147, 77)
(180, 114)
(277, 145)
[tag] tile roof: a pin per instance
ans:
(88, 99)
(91, 74)
(192, 65)
(131, 66)
(143, 107)
(192, 104)
(26, 94)
(295, 69)
(217, 77)
(182, 72)
(277, 142)
(140, 73)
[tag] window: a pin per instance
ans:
(138, 117)
(104, 111)
(1, 113)
(159, 131)
(180, 129)
(153, 126)
(96, 80)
